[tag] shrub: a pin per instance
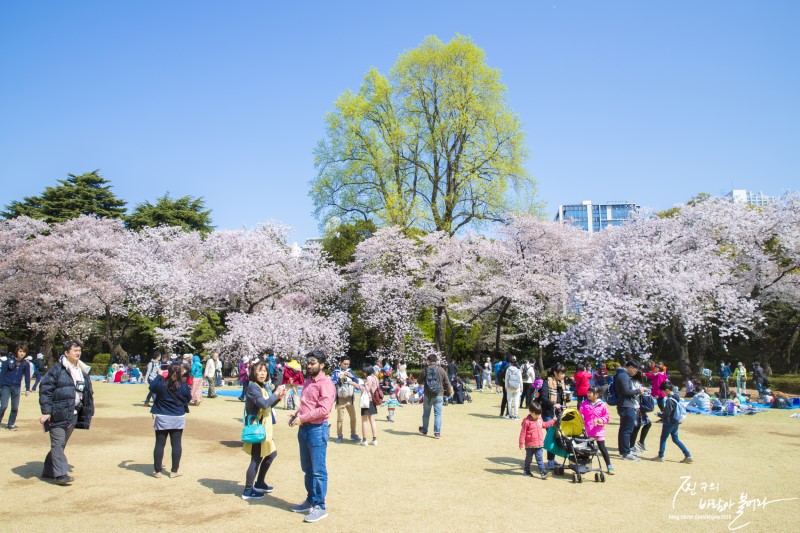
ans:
(100, 364)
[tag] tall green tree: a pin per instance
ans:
(186, 212)
(87, 194)
(434, 146)
(340, 240)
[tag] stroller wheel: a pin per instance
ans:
(602, 477)
(597, 478)
(580, 478)
(575, 478)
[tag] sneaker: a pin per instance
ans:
(146, 405)
(630, 457)
(641, 446)
(658, 459)
(355, 438)
(302, 507)
(528, 473)
(374, 442)
(688, 459)
(316, 514)
(12, 428)
(251, 494)
(610, 471)
(64, 480)
(364, 442)
(262, 487)
(550, 465)
(422, 431)
(173, 475)
(338, 440)
(157, 475)
(437, 435)
(546, 475)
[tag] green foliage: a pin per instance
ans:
(87, 194)
(186, 212)
(672, 211)
(206, 330)
(340, 240)
(434, 146)
(100, 363)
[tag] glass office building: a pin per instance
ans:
(595, 217)
(753, 199)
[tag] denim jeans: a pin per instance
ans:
(436, 403)
(671, 430)
(529, 455)
(627, 420)
(313, 439)
(6, 394)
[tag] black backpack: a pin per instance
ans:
(433, 383)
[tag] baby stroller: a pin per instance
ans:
(459, 394)
(569, 440)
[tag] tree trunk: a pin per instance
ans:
(499, 326)
(680, 346)
(439, 327)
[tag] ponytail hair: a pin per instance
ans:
(175, 376)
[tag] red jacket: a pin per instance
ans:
(532, 433)
(292, 377)
(582, 383)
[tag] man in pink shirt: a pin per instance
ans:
(319, 394)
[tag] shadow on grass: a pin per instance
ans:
(398, 432)
(481, 415)
(235, 488)
(507, 461)
(30, 470)
(504, 471)
(231, 443)
(146, 469)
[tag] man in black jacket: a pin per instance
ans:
(626, 407)
(67, 402)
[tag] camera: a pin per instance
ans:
(80, 386)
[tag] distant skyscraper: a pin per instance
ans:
(594, 217)
(754, 199)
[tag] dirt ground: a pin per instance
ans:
(468, 481)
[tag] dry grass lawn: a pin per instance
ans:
(468, 481)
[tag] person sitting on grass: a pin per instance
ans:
(670, 424)
(701, 401)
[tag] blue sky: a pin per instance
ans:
(647, 101)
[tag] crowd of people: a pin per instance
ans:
(175, 382)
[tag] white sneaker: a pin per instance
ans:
(364, 442)
(374, 442)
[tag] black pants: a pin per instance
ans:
(175, 436)
(660, 403)
(601, 445)
(504, 403)
(581, 399)
(527, 394)
(627, 420)
(478, 381)
(258, 464)
(644, 429)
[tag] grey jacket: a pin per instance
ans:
(626, 393)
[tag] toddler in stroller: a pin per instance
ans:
(568, 439)
(460, 394)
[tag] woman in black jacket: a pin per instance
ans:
(172, 397)
(552, 399)
(67, 402)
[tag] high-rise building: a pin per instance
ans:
(595, 217)
(753, 199)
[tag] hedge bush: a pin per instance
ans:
(100, 363)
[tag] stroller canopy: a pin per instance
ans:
(571, 423)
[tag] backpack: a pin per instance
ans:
(513, 378)
(433, 383)
(646, 403)
(377, 396)
(679, 414)
(611, 392)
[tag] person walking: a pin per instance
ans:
(528, 377)
(670, 423)
(213, 368)
(39, 370)
(477, 373)
(626, 407)
(513, 384)
(582, 379)
(197, 380)
(501, 383)
(258, 405)
(487, 376)
(172, 396)
(657, 377)
(345, 381)
(368, 413)
(740, 377)
(435, 385)
(12, 372)
(66, 399)
(319, 395)
(759, 376)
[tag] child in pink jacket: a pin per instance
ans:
(531, 439)
(595, 418)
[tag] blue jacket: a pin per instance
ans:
(170, 403)
(13, 377)
(626, 394)
(197, 367)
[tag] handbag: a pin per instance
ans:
(364, 401)
(253, 431)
